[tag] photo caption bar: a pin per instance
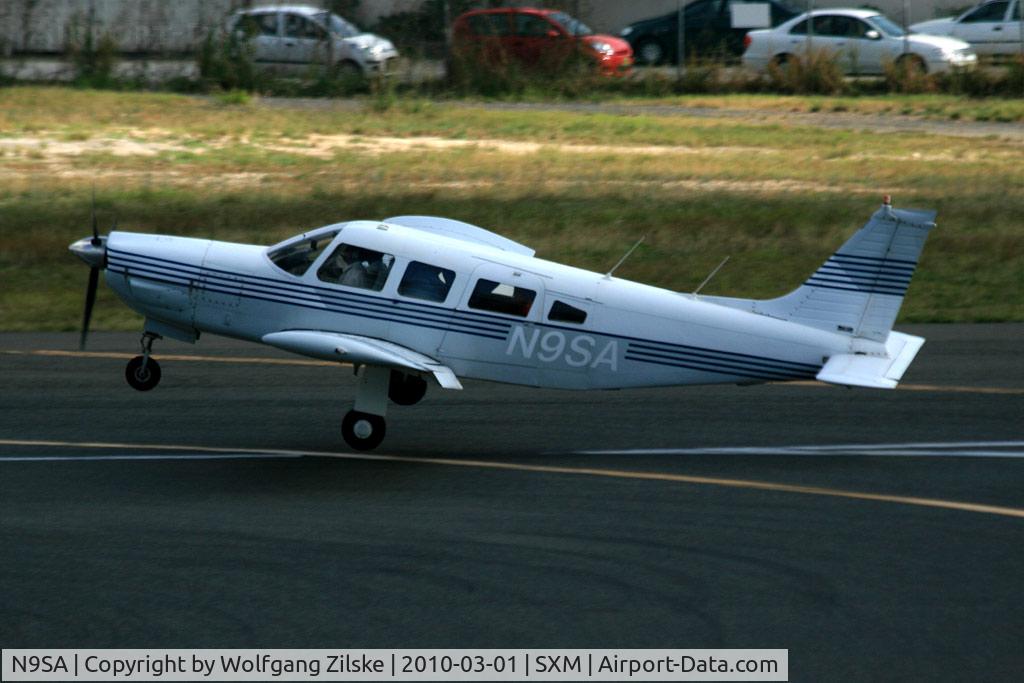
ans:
(393, 665)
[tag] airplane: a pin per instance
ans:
(412, 299)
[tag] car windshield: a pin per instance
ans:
(337, 25)
(887, 25)
(572, 25)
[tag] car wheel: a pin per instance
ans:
(349, 71)
(650, 52)
(912, 64)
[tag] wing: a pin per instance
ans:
(351, 348)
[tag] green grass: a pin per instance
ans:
(777, 199)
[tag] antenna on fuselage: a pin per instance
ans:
(625, 256)
(708, 278)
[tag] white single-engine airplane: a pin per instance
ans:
(414, 298)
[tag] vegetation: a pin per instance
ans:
(579, 187)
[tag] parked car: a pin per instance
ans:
(535, 38)
(991, 28)
(863, 40)
(300, 34)
(707, 31)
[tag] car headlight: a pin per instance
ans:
(603, 48)
(626, 31)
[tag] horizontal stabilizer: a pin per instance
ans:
(876, 372)
(350, 348)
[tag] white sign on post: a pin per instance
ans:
(750, 14)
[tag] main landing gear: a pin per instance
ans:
(143, 372)
(363, 427)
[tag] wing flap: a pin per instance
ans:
(876, 372)
(355, 349)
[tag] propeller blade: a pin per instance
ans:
(90, 299)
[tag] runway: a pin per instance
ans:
(873, 534)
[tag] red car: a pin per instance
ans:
(535, 38)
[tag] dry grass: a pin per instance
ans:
(778, 199)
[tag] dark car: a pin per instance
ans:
(708, 31)
(535, 38)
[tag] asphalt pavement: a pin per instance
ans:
(873, 534)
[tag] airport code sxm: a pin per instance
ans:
(394, 665)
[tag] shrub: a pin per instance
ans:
(908, 75)
(225, 61)
(92, 60)
(816, 73)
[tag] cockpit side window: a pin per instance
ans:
(564, 313)
(357, 267)
(424, 281)
(489, 295)
(297, 257)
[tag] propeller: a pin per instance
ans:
(94, 252)
(90, 299)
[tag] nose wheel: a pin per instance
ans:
(143, 372)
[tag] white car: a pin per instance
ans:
(992, 28)
(863, 40)
(300, 34)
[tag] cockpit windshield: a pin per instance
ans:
(296, 257)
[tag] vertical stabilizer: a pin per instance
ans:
(860, 288)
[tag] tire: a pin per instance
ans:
(913, 64)
(406, 390)
(362, 431)
(650, 52)
(142, 378)
(349, 71)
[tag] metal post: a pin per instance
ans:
(810, 27)
(1020, 25)
(906, 26)
(680, 38)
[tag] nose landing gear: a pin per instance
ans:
(143, 372)
(363, 427)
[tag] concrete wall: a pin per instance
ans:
(166, 26)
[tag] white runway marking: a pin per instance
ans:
(960, 449)
(211, 456)
(748, 484)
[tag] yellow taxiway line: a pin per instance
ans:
(557, 469)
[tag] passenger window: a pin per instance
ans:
(489, 295)
(532, 26)
(424, 281)
(296, 26)
(357, 267)
(564, 313)
(267, 23)
(296, 258)
(489, 24)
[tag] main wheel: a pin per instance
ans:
(650, 52)
(362, 431)
(141, 374)
(406, 390)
